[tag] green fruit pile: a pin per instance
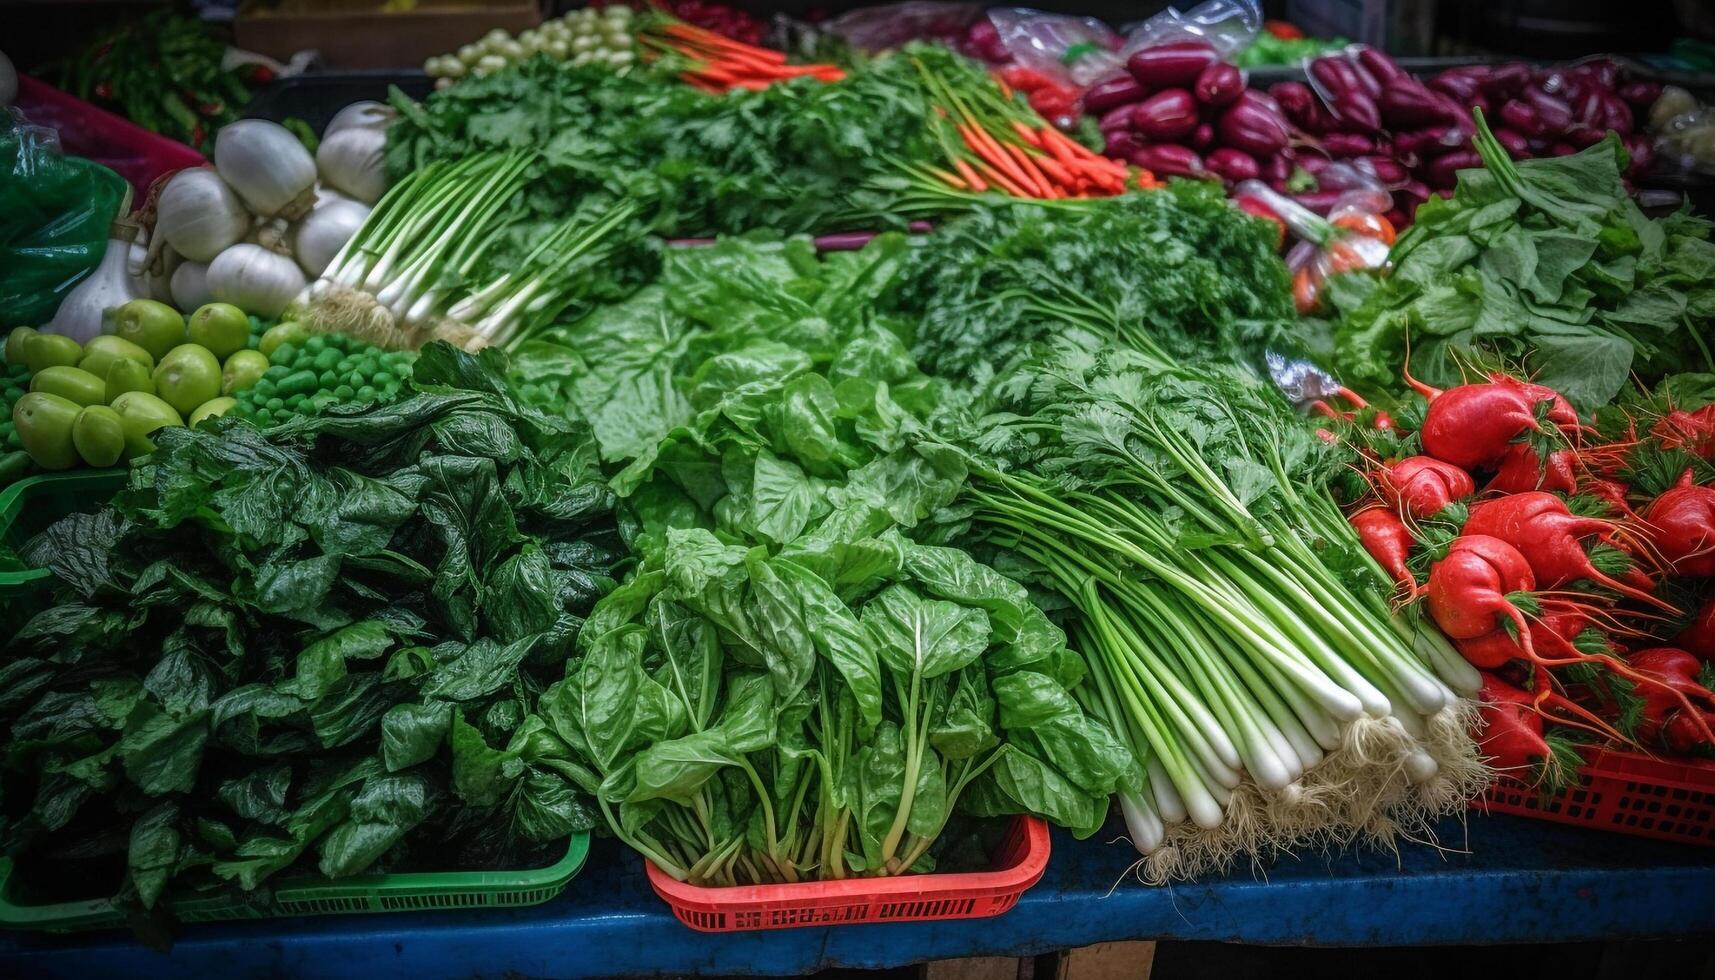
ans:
(98, 403)
(308, 372)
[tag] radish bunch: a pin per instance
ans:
(1561, 564)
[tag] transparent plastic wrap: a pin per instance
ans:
(1227, 25)
(1354, 236)
(1070, 51)
(55, 215)
(1684, 132)
(890, 25)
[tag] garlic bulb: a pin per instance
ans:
(350, 161)
(366, 113)
(324, 231)
(151, 265)
(267, 166)
(254, 279)
(82, 310)
(271, 234)
(199, 216)
(190, 285)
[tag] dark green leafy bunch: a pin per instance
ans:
(801, 156)
(795, 684)
(1546, 262)
(320, 648)
(1177, 272)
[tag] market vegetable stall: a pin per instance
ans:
(1520, 882)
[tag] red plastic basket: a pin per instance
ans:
(1622, 792)
(1019, 862)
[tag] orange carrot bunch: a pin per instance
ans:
(992, 142)
(718, 63)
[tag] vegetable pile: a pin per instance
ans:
(1546, 262)
(586, 36)
(1576, 580)
(316, 648)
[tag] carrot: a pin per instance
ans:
(1034, 178)
(1000, 180)
(946, 178)
(1027, 134)
(989, 149)
(977, 183)
(1057, 172)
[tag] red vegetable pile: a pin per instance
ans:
(1580, 577)
(1180, 110)
(1414, 136)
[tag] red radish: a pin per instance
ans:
(1411, 105)
(1295, 99)
(1522, 470)
(1612, 491)
(1670, 687)
(1388, 541)
(1165, 116)
(1698, 637)
(1117, 119)
(1219, 84)
(1561, 413)
(1512, 728)
(1358, 109)
(1552, 633)
(1681, 525)
(1443, 171)
(1423, 486)
(1121, 143)
(1549, 537)
(1171, 64)
(1468, 588)
(1681, 733)
(1202, 137)
(1345, 145)
(1640, 95)
(1693, 432)
(1473, 426)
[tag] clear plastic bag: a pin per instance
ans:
(55, 212)
(1072, 51)
(1354, 236)
(1228, 25)
(890, 25)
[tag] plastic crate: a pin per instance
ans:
(313, 895)
(31, 504)
(1019, 863)
(1622, 792)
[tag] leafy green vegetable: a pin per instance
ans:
(1178, 271)
(800, 156)
(320, 646)
(1547, 262)
(791, 685)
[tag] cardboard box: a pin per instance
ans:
(359, 34)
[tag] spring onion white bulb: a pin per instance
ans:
(350, 161)
(365, 113)
(189, 285)
(199, 215)
(255, 279)
(320, 235)
(271, 171)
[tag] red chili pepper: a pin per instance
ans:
(104, 90)
(1283, 30)
(196, 135)
(261, 74)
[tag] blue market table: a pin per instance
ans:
(1499, 879)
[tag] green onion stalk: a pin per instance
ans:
(1236, 632)
(421, 266)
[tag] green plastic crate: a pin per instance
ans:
(314, 895)
(35, 502)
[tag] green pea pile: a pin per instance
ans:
(306, 376)
(14, 382)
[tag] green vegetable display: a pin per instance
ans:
(287, 645)
(309, 377)
(791, 685)
(1547, 262)
(163, 73)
